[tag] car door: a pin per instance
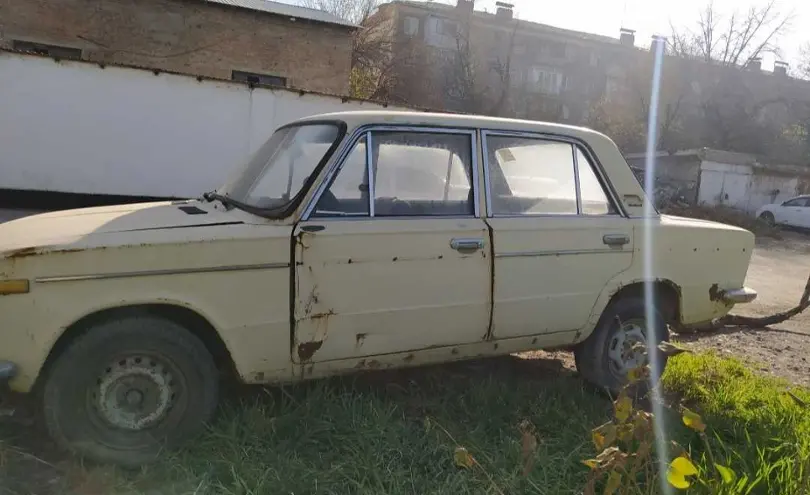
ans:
(791, 212)
(801, 214)
(386, 264)
(558, 235)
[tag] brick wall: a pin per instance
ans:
(187, 36)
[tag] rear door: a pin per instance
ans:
(558, 235)
(394, 255)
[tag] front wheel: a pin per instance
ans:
(618, 344)
(128, 388)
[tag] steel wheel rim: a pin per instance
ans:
(627, 348)
(134, 393)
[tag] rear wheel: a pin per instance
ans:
(768, 218)
(619, 343)
(129, 388)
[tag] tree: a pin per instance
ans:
(734, 39)
(355, 11)
(803, 69)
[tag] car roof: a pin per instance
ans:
(391, 117)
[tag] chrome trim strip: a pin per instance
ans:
(474, 172)
(155, 273)
(577, 186)
(487, 179)
(369, 173)
(564, 252)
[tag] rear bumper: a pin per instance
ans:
(738, 296)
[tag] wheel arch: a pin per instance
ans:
(188, 318)
(667, 295)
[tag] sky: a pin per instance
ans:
(649, 17)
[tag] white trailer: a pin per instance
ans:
(83, 128)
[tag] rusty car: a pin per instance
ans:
(349, 241)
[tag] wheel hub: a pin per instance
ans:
(134, 393)
(628, 348)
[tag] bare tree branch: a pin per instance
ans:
(355, 11)
(735, 40)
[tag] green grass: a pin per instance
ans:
(760, 429)
(395, 433)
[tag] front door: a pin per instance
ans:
(558, 236)
(393, 257)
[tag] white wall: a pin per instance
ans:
(738, 186)
(75, 127)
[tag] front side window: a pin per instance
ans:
(280, 171)
(533, 176)
(413, 174)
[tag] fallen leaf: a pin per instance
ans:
(613, 482)
(693, 420)
(528, 445)
(623, 407)
(680, 469)
(669, 349)
(727, 474)
(463, 458)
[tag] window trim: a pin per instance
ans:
(364, 132)
(596, 166)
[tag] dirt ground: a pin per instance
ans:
(778, 272)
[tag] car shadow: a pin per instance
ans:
(31, 463)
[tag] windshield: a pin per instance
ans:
(278, 173)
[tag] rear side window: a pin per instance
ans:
(535, 176)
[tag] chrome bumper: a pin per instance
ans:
(7, 370)
(737, 296)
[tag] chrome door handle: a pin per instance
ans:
(615, 239)
(466, 245)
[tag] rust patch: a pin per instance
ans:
(24, 252)
(715, 294)
(373, 364)
(359, 339)
(27, 252)
(408, 358)
(360, 364)
(308, 349)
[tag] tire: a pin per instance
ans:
(129, 388)
(621, 321)
(768, 218)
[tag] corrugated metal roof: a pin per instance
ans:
(285, 10)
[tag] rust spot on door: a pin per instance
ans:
(715, 294)
(308, 349)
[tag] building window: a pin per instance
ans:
(411, 26)
(546, 80)
(555, 49)
(447, 28)
(263, 79)
(55, 51)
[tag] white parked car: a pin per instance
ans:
(794, 212)
(322, 255)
